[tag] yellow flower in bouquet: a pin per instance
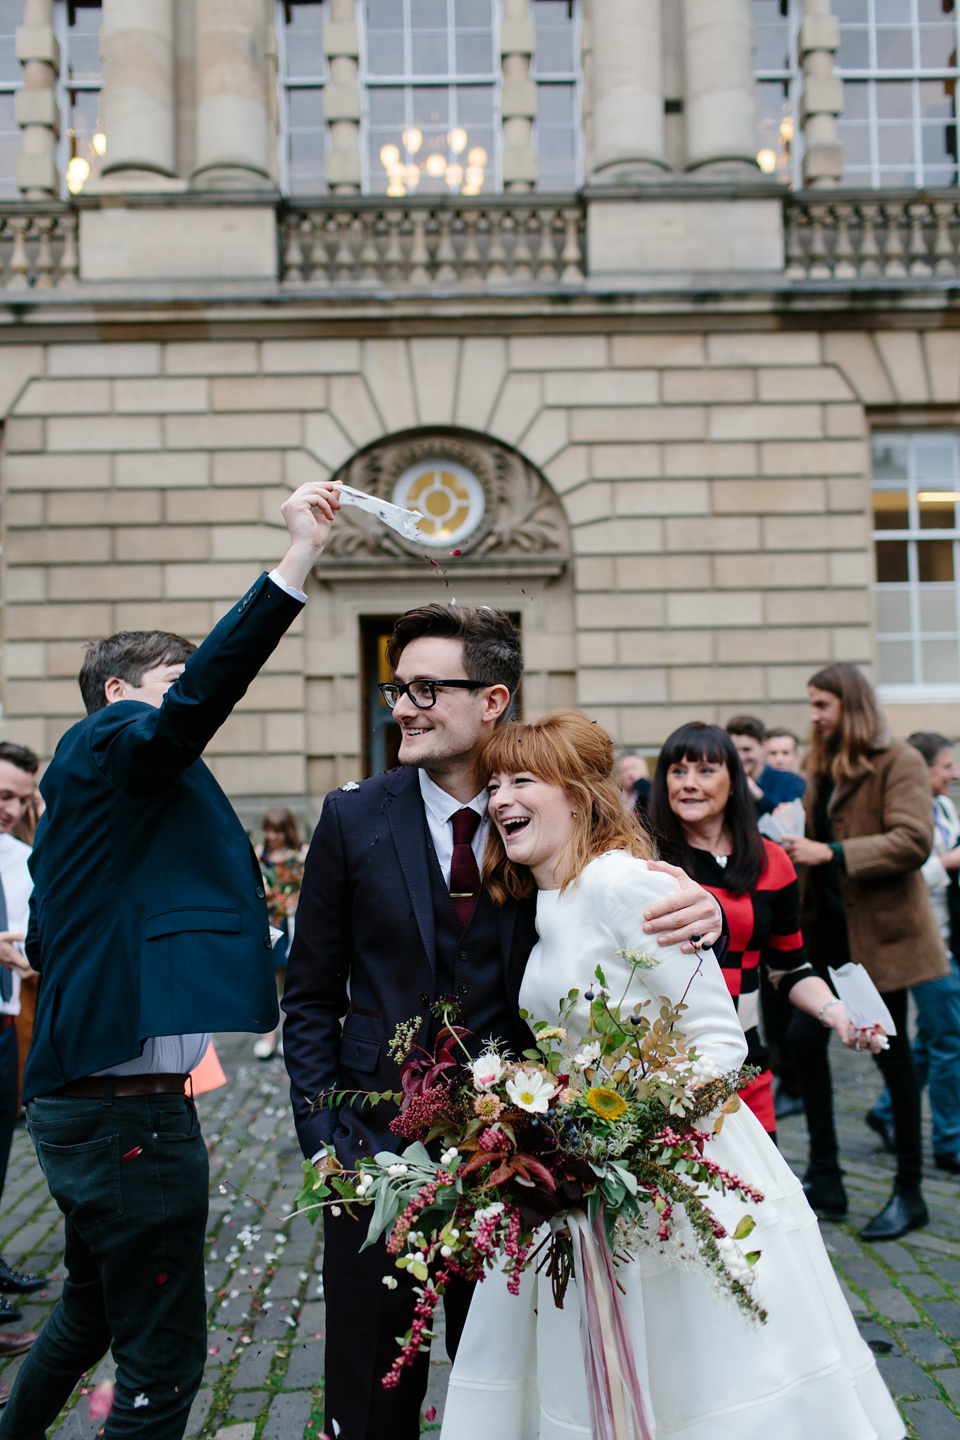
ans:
(606, 1103)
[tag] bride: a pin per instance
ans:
(706, 1372)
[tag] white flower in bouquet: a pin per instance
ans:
(531, 1090)
(587, 1055)
(487, 1071)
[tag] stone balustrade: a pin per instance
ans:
(440, 244)
(38, 246)
(868, 233)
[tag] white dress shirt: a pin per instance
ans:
(17, 885)
(179, 1054)
(441, 808)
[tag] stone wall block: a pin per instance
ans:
(104, 358)
(757, 497)
(57, 547)
(660, 497)
(518, 404)
(386, 368)
(853, 644)
(103, 432)
(22, 511)
(592, 501)
(250, 431)
(27, 661)
(211, 357)
(703, 386)
(761, 348)
(558, 352)
(625, 462)
(902, 357)
(849, 494)
(771, 571)
(268, 392)
(483, 369)
(717, 532)
(546, 437)
(808, 645)
(310, 357)
(245, 542)
(274, 692)
(299, 468)
(24, 436)
(285, 733)
(856, 358)
(942, 353)
(162, 470)
(248, 467)
(800, 457)
(265, 775)
(854, 567)
(813, 532)
(324, 439)
(817, 607)
(193, 618)
(654, 423)
(434, 365)
(596, 647)
(56, 472)
(638, 352)
(609, 612)
(732, 685)
(208, 582)
(842, 422)
(661, 573)
(19, 364)
(64, 397)
(145, 543)
(617, 537)
(160, 397)
(25, 584)
(622, 685)
(105, 582)
(627, 387)
(57, 622)
(659, 647)
(710, 460)
(354, 410)
(795, 384)
(239, 735)
(765, 422)
(42, 697)
(733, 608)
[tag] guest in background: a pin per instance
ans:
(281, 859)
(769, 787)
(633, 777)
(936, 1050)
(869, 829)
(781, 751)
(25, 831)
(704, 819)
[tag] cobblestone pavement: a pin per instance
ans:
(264, 1362)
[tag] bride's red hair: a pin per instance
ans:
(568, 750)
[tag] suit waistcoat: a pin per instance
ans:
(469, 965)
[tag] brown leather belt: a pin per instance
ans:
(93, 1087)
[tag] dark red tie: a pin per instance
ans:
(464, 873)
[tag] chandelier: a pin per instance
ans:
(404, 172)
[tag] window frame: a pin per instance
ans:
(284, 85)
(66, 87)
(792, 75)
(574, 78)
(901, 692)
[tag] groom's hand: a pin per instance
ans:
(691, 910)
(308, 515)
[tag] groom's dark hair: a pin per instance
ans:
(126, 656)
(491, 641)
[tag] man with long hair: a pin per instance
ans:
(869, 830)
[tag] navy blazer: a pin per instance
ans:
(363, 958)
(148, 914)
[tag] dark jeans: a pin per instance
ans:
(363, 1320)
(9, 1090)
(131, 1178)
(936, 1058)
(808, 1041)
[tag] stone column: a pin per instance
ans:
(519, 96)
(822, 99)
(721, 96)
(36, 104)
(232, 119)
(136, 46)
(628, 140)
(341, 99)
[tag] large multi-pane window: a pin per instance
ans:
(556, 69)
(916, 490)
(302, 68)
(11, 15)
(83, 144)
(432, 78)
(776, 24)
(898, 59)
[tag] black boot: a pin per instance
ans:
(17, 1280)
(880, 1127)
(825, 1195)
(905, 1210)
(8, 1311)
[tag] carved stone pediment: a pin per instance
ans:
(522, 517)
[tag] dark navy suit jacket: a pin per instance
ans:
(778, 786)
(364, 959)
(148, 914)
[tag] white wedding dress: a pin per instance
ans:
(707, 1372)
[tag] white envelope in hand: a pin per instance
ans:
(863, 1001)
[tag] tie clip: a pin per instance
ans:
(461, 894)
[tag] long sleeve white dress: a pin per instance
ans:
(707, 1372)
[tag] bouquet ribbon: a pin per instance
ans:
(612, 1384)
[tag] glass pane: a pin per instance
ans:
(937, 46)
(474, 53)
(938, 611)
(427, 14)
(475, 107)
(429, 52)
(892, 566)
(891, 510)
(385, 53)
(383, 15)
(856, 100)
(431, 110)
(934, 9)
(856, 144)
(854, 52)
(893, 612)
(83, 44)
(474, 14)
(555, 104)
(890, 454)
(894, 49)
(935, 560)
(9, 64)
(937, 509)
(935, 458)
(554, 33)
(893, 100)
(896, 662)
(940, 662)
(851, 11)
(305, 108)
(890, 12)
(903, 177)
(936, 100)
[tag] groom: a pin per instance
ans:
(392, 915)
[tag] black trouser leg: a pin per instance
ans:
(777, 1014)
(896, 1066)
(363, 1320)
(808, 1041)
(8, 1096)
(131, 1178)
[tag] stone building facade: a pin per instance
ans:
(667, 382)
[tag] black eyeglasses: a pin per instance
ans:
(423, 693)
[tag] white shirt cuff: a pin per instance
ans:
(315, 1158)
(278, 579)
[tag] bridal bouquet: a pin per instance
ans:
(603, 1140)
